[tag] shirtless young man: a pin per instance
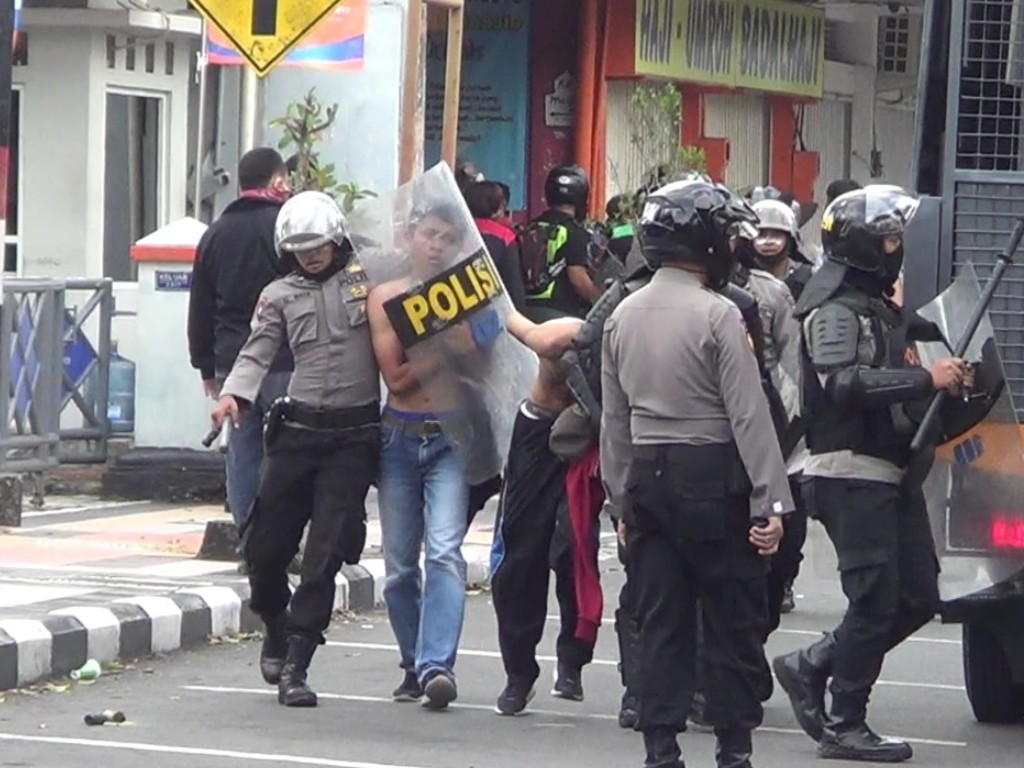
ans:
(423, 493)
(533, 502)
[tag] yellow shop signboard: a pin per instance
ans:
(765, 45)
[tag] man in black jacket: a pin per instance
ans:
(235, 261)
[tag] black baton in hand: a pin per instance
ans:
(212, 435)
(1003, 262)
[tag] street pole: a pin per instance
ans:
(202, 72)
(6, 63)
(249, 113)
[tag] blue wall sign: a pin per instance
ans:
(494, 103)
(173, 281)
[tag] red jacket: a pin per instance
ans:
(585, 497)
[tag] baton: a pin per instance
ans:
(1003, 262)
(223, 431)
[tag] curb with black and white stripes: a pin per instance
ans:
(32, 650)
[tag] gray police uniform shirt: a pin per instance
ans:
(678, 367)
(845, 464)
(782, 336)
(326, 327)
(782, 348)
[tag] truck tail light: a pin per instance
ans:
(1007, 532)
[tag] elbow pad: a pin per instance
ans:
(879, 387)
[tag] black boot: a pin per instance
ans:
(804, 675)
(848, 737)
(662, 748)
(275, 648)
(292, 691)
(628, 634)
(734, 748)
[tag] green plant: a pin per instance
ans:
(654, 125)
(304, 126)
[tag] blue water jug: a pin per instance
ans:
(121, 398)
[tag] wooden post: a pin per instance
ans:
(411, 153)
(413, 87)
(452, 86)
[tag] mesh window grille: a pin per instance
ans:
(984, 215)
(989, 126)
(893, 44)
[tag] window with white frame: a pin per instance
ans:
(135, 170)
(12, 237)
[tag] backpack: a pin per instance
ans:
(539, 244)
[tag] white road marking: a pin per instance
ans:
(167, 749)
(601, 662)
(806, 632)
(529, 710)
(76, 510)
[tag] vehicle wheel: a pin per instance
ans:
(993, 696)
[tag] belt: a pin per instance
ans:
(330, 419)
(416, 427)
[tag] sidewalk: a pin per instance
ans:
(83, 578)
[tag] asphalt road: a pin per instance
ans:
(209, 708)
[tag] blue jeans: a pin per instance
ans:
(423, 496)
(245, 449)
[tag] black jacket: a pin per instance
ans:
(235, 261)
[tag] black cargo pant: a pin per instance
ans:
(319, 477)
(688, 524)
(785, 564)
(532, 537)
(888, 570)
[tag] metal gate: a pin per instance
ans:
(54, 376)
(983, 186)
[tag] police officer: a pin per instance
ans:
(322, 441)
(782, 354)
(582, 362)
(689, 455)
(777, 248)
(861, 399)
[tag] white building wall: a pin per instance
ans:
(55, 152)
(64, 91)
(363, 144)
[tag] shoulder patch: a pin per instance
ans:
(261, 307)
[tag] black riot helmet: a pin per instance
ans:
(568, 185)
(695, 221)
(855, 225)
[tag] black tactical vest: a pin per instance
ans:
(884, 433)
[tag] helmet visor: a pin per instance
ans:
(887, 209)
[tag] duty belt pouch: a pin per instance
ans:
(275, 420)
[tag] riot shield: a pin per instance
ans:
(976, 484)
(446, 303)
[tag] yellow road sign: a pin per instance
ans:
(264, 31)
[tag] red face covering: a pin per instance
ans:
(268, 193)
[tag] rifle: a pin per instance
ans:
(1003, 262)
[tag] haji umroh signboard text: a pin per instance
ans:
(765, 45)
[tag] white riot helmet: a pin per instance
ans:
(307, 221)
(776, 215)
